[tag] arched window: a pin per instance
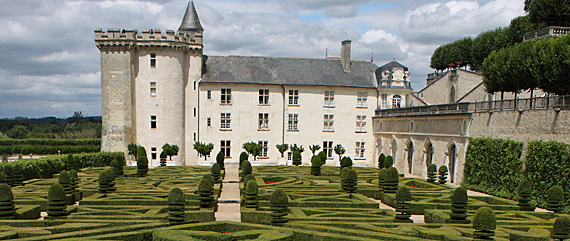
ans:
(410, 156)
(396, 101)
(429, 153)
(394, 149)
(452, 159)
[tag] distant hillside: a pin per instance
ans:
(76, 126)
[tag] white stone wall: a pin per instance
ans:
(194, 73)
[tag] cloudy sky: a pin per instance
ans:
(49, 65)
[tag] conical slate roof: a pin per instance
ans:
(190, 21)
(393, 64)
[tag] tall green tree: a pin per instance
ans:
(171, 150)
(203, 148)
(549, 12)
(282, 148)
(252, 148)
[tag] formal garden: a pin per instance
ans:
(96, 197)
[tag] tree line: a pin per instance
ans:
(76, 126)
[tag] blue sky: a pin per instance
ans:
(51, 67)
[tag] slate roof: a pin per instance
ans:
(190, 21)
(287, 71)
(393, 64)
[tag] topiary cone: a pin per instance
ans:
(343, 173)
(206, 192)
(524, 191)
(382, 179)
(103, 182)
(9, 178)
(176, 205)
(56, 205)
(403, 196)
(392, 180)
(142, 162)
(459, 201)
(351, 182)
(279, 203)
(561, 228)
(485, 223)
(388, 162)
(442, 174)
(75, 185)
(65, 180)
(381, 159)
(246, 169)
(70, 162)
(215, 170)
(555, 199)
(17, 175)
(251, 194)
(111, 174)
(7, 207)
(432, 173)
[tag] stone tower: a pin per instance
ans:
(148, 85)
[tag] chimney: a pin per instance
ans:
(345, 55)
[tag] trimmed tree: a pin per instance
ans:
(392, 180)
(206, 192)
(253, 148)
(382, 179)
(243, 156)
(75, 185)
(388, 162)
(316, 164)
(65, 181)
(345, 162)
(9, 178)
(282, 148)
(171, 150)
(279, 203)
(120, 158)
(442, 179)
(297, 159)
(220, 160)
(57, 203)
(7, 207)
(350, 182)
(111, 174)
(524, 191)
(176, 206)
(17, 175)
(343, 178)
(215, 170)
(339, 150)
(314, 148)
(381, 159)
(561, 228)
(163, 157)
(69, 162)
(246, 169)
(142, 162)
(133, 149)
(432, 173)
(485, 223)
(203, 149)
(251, 190)
(403, 196)
(323, 156)
(295, 148)
(459, 201)
(104, 182)
(555, 199)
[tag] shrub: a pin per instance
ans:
(70, 162)
(297, 158)
(555, 199)
(57, 203)
(65, 180)
(279, 203)
(459, 201)
(142, 162)
(103, 182)
(382, 179)
(215, 170)
(176, 205)
(251, 194)
(220, 160)
(316, 164)
(74, 181)
(323, 156)
(524, 192)
(111, 174)
(249, 177)
(345, 162)
(485, 223)
(163, 157)
(432, 169)
(206, 192)
(48, 146)
(388, 162)
(343, 172)
(403, 196)
(350, 181)
(18, 178)
(442, 174)
(246, 169)
(392, 180)
(120, 158)
(561, 228)
(242, 157)
(381, 159)
(7, 207)
(8, 175)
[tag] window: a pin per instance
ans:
(209, 121)
(226, 96)
(360, 123)
(263, 121)
(329, 98)
(152, 60)
(360, 150)
(153, 89)
(293, 97)
(293, 122)
(264, 148)
(396, 101)
(361, 99)
(194, 136)
(194, 111)
(384, 101)
(153, 122)
(225, 146)
(328, 123)
(225, 121)
(263, 96)
(289, 156)
(328, 148)
(153, 153)
(209, 94)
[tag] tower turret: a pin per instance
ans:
(191, 22)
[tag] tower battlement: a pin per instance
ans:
(125, 39)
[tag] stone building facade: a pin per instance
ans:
(159, 87)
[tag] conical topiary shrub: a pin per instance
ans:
(7, 207)
(251, 191)
(120, 158)
(246, 169)
(485, 223)
(142, 162)
(388, 162)
(381, 159)
(70, 162)
(243, 156)
(323, 157)
(555, 199)
(163, 157)
(8, 175)
(279, 203)
(316, 164)
(75, 185)
(176, 206)
(297, 159)
(392, 180)
(215, 170)
(351, 181)
(524, 191)
(442, 179)
(459, 201)
(111, 174)
(249, 177)
(17, 175)
(345, 162)
(220, 160)
(343, 173)
(403, 196)
(561, 228)
(56, 204)
(432, 173)
(382, 179)
(103, 182)
(206, 192)
(65, 180)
